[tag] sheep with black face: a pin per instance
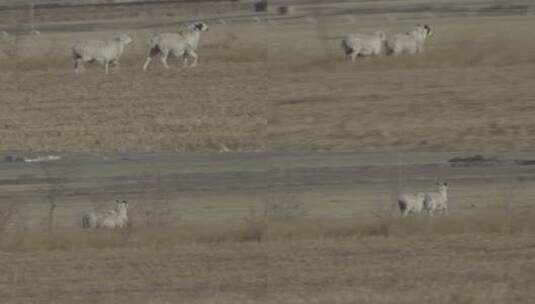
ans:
(182, 44)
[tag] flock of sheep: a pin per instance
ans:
(428, 202)
(184, 43)
(435, 202)
(374, 44)
(181, 44)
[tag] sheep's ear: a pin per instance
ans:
(445, 184)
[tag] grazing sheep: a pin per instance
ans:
(104, 52)
(181, 44)
(4, 34)
(437, 201)
(110, 219)
(411, 203)
(411, 42)
(363, 44)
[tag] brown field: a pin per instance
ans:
(263, 224)
(463, 268)
(266, 228)
(279, 87)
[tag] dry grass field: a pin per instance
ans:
(279, 87)
(267, 224)
(266, 228)
(467, 260)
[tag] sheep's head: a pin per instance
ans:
(124, 38)
(428, 30)
(424, 30)
(122, 204)
(442, 186)
(200, 26)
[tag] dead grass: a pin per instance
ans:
(256, 89)
(271, 229)
(434, 102)
(390, 260)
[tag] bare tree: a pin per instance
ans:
(55, 176)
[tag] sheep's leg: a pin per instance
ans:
(348, 55)
(185, 60)
(445, 210)
(77, 66)
(147, 62)
(354, 57)
(407, 211)
(195, 58)
(106, 67)
(402, 207)
(152, 52)
(163, 59)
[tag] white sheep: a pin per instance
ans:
(411, 203)
(104, 52)
(181, 44)
(110, 219)
(4, 34)
(437, 201)
(363, 44)
(411, 42)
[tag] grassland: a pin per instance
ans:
(269, 227)
(202, 230)
(353, 263)
(280, 87)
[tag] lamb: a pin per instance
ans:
(104, 52)
(411, 42)
(181, 44)
(437, 201)
(411, 203)
(363, 44)
(110, 219)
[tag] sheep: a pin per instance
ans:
(181, 44)
(104, 52)
(4, 34)
(110, 219)
(363, 44)
(411, 42)
(411, 203)
(437, 200)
